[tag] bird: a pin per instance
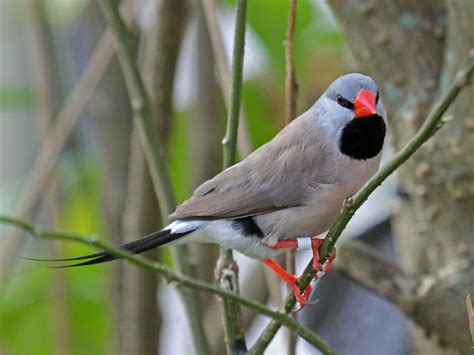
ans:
(287, 192)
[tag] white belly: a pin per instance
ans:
(223, 233)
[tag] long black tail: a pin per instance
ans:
(138, 246)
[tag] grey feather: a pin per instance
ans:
(270, 179)
(295, 184)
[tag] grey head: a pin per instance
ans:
(353, 115)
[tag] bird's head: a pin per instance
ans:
(353, 114)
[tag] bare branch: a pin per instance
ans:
(291, 84)
(42, 172)
(227, 270)
(151, 143)
(171, 277)
(377, 274)
(291, 97)
(244, 142)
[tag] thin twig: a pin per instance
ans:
(244, 143)
(46, 161)
(227, 274)
(434, 122)
(291, 97)
(158, 169)
(171, 277)
(291, 84)
(230, 139)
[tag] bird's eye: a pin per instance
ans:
(342, 101)
(377, 98)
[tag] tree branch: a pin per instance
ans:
(140, 314)
(171, 277)
(434, 122)
(425, 299)
(151, 142)
(291, 84)
(227, 270)
(230, 140)
(377, 274)
(244, 142)
(42, 173)
(291, 96)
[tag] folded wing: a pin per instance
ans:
(274, 177)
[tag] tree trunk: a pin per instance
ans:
(412, 49)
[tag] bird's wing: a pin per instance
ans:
(274, 177)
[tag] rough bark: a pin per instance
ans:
(412, 49)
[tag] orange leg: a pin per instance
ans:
(291, 280)
(315, 245)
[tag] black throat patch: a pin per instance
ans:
(362, 138)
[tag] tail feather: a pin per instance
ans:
(138, 246)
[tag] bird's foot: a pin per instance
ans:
(292, 281)
(301, 243)
(320, 269)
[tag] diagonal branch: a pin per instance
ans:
(434, 122)
(42, 173)
(172, 277)
(158, 168)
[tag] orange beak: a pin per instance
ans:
(365, 105)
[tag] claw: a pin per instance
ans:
(301, 298)
(315, 245)
(320, 269)
(292, 281)
(327, 265)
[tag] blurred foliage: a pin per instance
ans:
(16, 97)
(25, 301)
(25, 307)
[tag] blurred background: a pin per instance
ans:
(60, 84)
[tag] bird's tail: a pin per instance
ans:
(151, 241)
